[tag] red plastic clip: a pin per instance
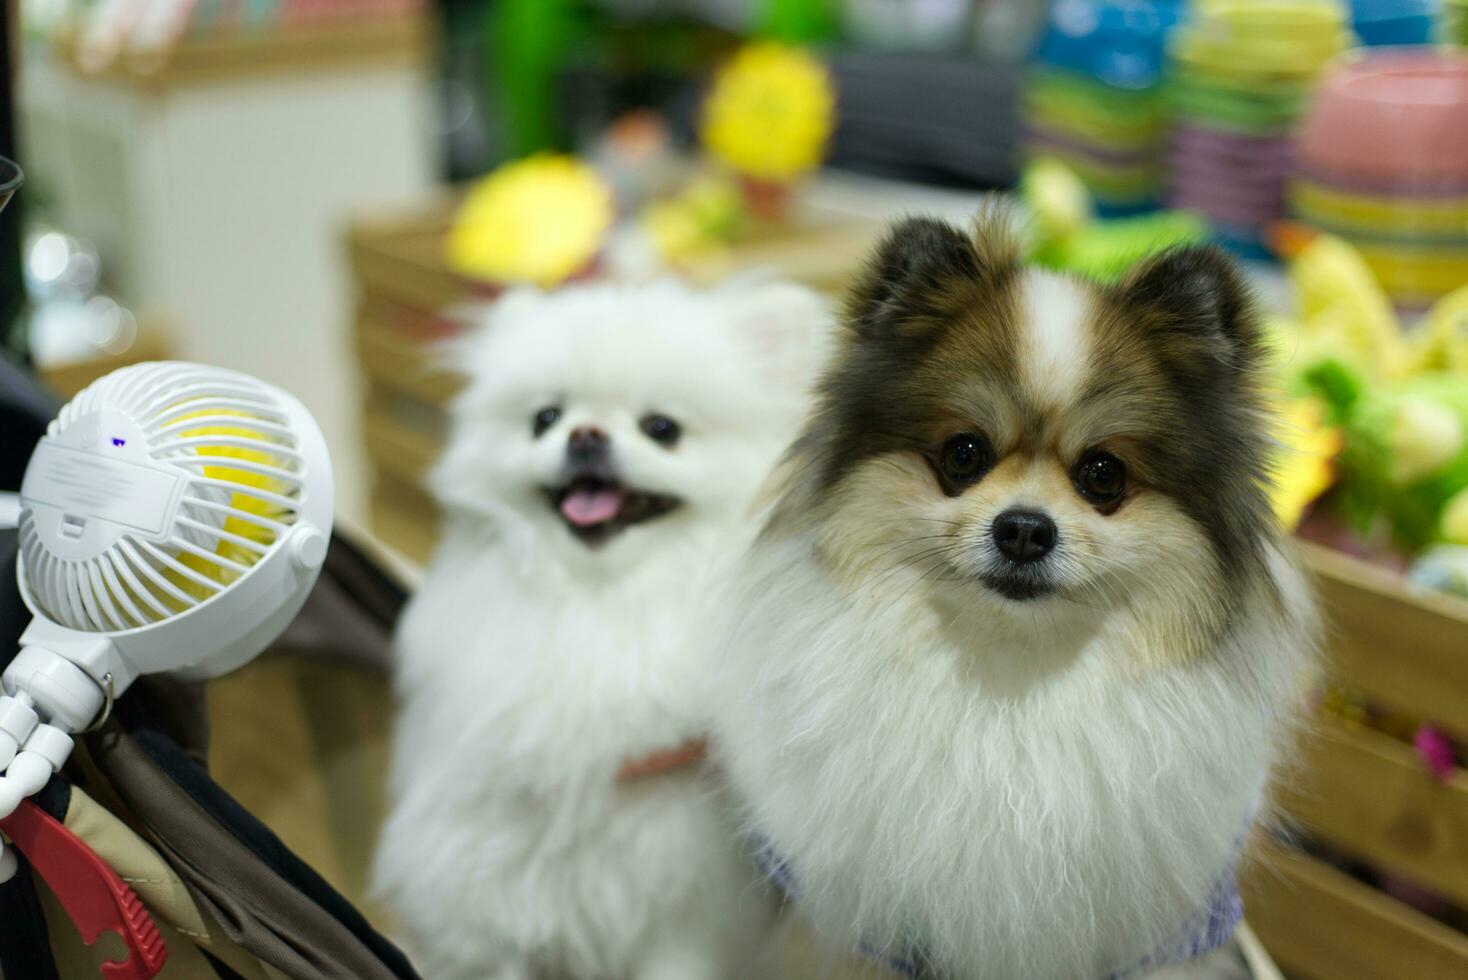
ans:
(93, 895)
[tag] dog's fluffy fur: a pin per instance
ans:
(544, 652)
(1011, 769)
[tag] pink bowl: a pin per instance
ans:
(1391, 115)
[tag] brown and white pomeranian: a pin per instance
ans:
(1020, 643)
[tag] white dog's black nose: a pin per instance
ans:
(586, 445)
(1024, 535)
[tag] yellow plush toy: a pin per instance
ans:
(704, 217)
(1338, 297)
(1441, 343)
(1454, 524)
(1304, 464)
(770, 112)
(540, 220)
(767, 119)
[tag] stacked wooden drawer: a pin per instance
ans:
(406, 306)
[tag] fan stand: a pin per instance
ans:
(47, 697)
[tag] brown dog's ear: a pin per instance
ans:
(1196, 295)
(922, 270)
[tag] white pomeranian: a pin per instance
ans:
(551, 815)
(1015, 654)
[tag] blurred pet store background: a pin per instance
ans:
(314, 192)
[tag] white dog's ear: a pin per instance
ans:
(479, 321)
(789, 325)
(516, 304)
(451, 354)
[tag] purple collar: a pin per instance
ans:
(1208, 931)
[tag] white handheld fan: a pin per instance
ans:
(173, 518)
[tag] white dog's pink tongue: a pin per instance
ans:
(585, 508)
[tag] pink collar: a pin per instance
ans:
(691, 752)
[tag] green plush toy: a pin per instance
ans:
(1402, 401)
(1068, 237)
(1406, 458)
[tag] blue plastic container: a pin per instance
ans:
(1122, 43)
(1379, 23)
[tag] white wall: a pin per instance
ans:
(221, 207)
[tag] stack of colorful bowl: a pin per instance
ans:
(1383, 162)
(1241, 74)
(1093, 97)
(1380, 23)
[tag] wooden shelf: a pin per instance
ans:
(393, 361)
(348, 44)
(398, 449)
(68, 379)
(400, 258)
(1322, 924)
(405, 516)
(1405, 648)
(1370, 795)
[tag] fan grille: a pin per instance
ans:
(234, 443)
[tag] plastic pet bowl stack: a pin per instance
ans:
(1393, 22)
(1093, 97)
(1383, 162)
(1242, 73)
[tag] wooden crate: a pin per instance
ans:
(1367, 795)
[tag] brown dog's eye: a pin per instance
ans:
(966, 457)
(1100, 477)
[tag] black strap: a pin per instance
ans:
(220, 967)
(25, 942)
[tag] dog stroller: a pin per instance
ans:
(228, 898)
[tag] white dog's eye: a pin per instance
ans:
(661, 429)
(544, 419)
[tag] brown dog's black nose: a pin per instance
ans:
(1024, 535)
(587, 445)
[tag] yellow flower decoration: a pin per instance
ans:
(1455, 519)
(539, 220)
(1305, 462)
(1338, 293)
(770, 112)
(705, 216)
(1441, 344)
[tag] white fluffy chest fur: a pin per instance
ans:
(511, 845)
(1060, 829)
